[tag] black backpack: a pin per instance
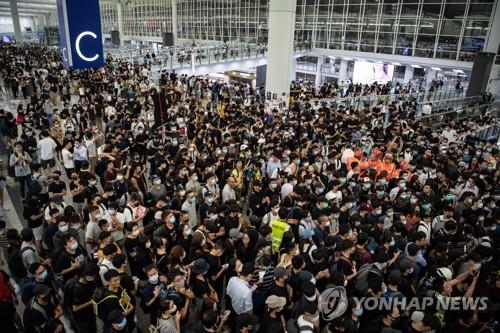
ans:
(15, 261)
(68, 289)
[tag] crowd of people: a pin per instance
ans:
(192, 206)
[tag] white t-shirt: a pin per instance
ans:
(47, 148)
(67, 159)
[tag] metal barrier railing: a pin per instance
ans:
(451, 99)
(440, 118)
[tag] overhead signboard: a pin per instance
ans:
(80, 31)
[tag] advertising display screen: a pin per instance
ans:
(367, 72)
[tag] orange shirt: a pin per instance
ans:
(350, 160)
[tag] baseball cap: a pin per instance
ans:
(417, 316)
(274, 302)
(41, 290)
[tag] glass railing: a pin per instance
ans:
(465, 112)
(440, 100)
(182, 57)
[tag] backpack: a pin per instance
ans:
(5, 288)
(15, 261)
(414, 228)
(99, 297)
(361, 279)
(68, 289)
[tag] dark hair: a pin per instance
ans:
(112, 273)
(118, 260)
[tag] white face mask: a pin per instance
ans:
(153, 279)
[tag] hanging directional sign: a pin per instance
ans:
(80, 31)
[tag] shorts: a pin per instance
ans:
(48, 163)
(38, 232)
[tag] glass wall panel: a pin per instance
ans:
(407, 27)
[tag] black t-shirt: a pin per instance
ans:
(64, 261)
(32, 207)
(272, 325)
(200, 288)
(57, 187)
(109, 304)
(82, 293)
(79, 197)
(279, 291)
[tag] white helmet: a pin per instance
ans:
(445, 273)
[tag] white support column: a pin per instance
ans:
(317, 80)
(14, 12)
(493, 40)
(44, 21)
(431, 75)
(280, 43)
(294, 69)
(343, 70)
(492, 44)
(174, 20)
(408, 74)
(193, 66)
(119, 15)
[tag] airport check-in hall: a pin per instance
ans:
(249, 166)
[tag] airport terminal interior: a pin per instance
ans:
(249, 166)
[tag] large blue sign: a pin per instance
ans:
(80, 31)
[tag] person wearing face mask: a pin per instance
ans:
(208, 202)
(57, 186)
(69, 261)
(92, 230)
(39, 275)
(193, 184)
(153, 292)
(63, 229)
(157, 190)
(168, 229)
(134, 211)
(388, 319)
(79, 299)
(138, 254)
(169, 320)
(190, 206)
(39, 309)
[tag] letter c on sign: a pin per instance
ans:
(77, 46)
